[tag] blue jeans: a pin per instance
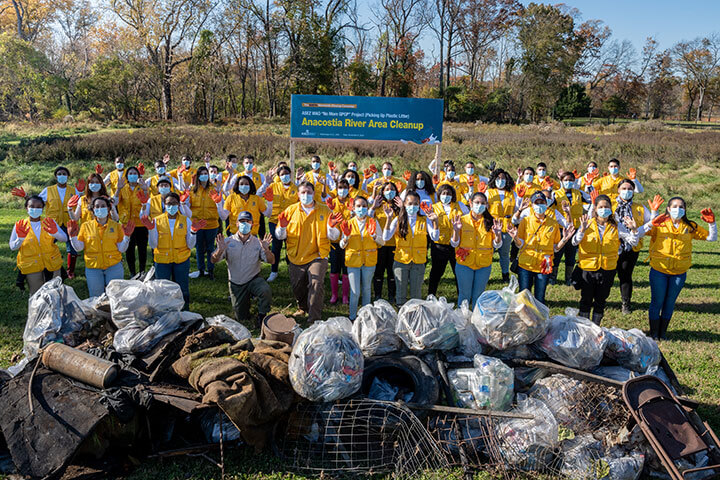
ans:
(204, 246)
(527, 279)
(178, 273)
(504, 253)
(68, 246)
(664, 291)
(471, 283)
(97, 278)
(276, 247)
(360, 282)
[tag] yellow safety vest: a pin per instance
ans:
(55, 207)
(203, 207)
(671, 247)
(236, 204)
(576, 206)
(172, 248)
(36, 255)
(412, 248)
(595, 252)
(478, 241)
(282, 198)
(307, 234)
(361, 250)
(539, 239)
(501, 209)
(129, 205)
(445, 221)
(101, 243)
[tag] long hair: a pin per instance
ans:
(488, 219)
(447, 188)
(611, 218)
(403, 222)
(692, 225)
(509, 182)
(100, 193)
(236, 188)
(394, 188)
(127, 170)
(196, 178)
(429, 187)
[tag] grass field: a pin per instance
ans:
(669, 162)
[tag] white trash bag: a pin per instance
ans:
(574, 341)
(374, 329)
(132, 300)
(326, 363)
(238, 331)
(138, 337)
(428, 324)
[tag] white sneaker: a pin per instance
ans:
(272, 277)
(195, 274)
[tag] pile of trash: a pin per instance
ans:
(500, 386)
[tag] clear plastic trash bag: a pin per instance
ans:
(581, 457)
(374, 329)
(139, 337)
(132, 300)
(326, 363)
(237, 330)
(470, 343)
(428, 324)
(622, 374)
(632, 349)
(624, 466)
(459, 379)
(561, 395)
(54, 312)
(529, 444)
(574, 341)
(213, 422)
(493, 383)
(505, 319)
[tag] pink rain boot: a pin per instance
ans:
(334, 277)
(346, 289)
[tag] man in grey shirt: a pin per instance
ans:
(245, 253)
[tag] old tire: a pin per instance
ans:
(407, 371)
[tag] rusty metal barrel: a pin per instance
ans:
(79, 365)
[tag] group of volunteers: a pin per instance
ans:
(368, 227)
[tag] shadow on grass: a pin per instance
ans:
(684, 335)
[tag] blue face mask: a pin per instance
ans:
(120, 166)
(567, 185)
(172, 209)
(478, 208)
(186, 163)
(214, 176)
(351, 181)
(285, 178)
(164, 190)
(342, 192)
(446, 199)
(249, 167)
(450, 174)
(62, 179)
(420, 184)
(315, 165)
(244, 228)
(34, 212)
(94, 187)
(677, 212)
(244, 189)
(361, 211)
(387, 172)
(539, 208)
(412, 209)
(306, 198)
(469, 170)
(613, 170)
(626, 194)
(603, 212)
(160, 170)
(500, 182)
(389, 195)
(132, 178)
(353, 168)
(528, 178)
(204, 177)
(541, 173)
(101, 212)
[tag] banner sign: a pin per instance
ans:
(388, 119)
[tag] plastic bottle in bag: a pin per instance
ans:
(428, 324)
(574, 341)
(374, 329)
(632, 349)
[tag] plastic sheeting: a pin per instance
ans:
(574, 341)
(622, 374)
(430, 324)
(138, 337)
(133, 300)
(632, 349)
(374, 329)
(505, 319)
(326, 363)
(215, 424)
(237, 330)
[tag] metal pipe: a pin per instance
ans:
(79, 365)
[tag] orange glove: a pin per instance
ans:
(592, 176)
(707, 215)
(330, 203)
(73, 202)
(269, 195)
(345, 228)
(660, 219)
(575, 172)
(141, 168)
(73, 228)
(482, 187)
(520, 190)
(98, 168)
(546, 267)
(547, 184)
(632, 174)
(594, 194)
(367, 173)
(407, 175)
(147, 222)
(470, 181)
(435, 179)
(331, 166)
(80, 185)
(18, 192)
(655, 203)
(181, 169)
(185, 195)
(215, 195)
(142, 196)
(399, 185)
(425, 206)
(129, 228)
(21, 228)
(50, 226)
(373, 168)
(198, 225)
(371, 226)
(462, 253)
(335, 219)
(283, 220)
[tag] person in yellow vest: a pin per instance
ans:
(608, 184)
(112, 178)
(161, 172)
(542, 180)
(80, 208)
(441, 252)
(586, 181)
(131, 196)
(421, 183)
(156, 205)
(284, 194)
(354, 184)
(410, 232)
(387, 195)
(501, 205)
(538, 237)
(671, 237)
(104, 241)
(244, 199)
(598, 242)
(475, 235)
(205, 202)
(471, 179)
(526, 185)
(575, 198)
(387, 176)
(462, 193)
(339, 201)
(172, 236)
(309, 227)
(184, 173)
(361, 238)
(34, 238)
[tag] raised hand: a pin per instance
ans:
(630, 222)
(632, 174)
(547, 184)
(18, 192)
(220, 241)
(565, 205)
(457, 222)
(482, 187)
(471, 181)
(185, 195)
(22, 228)
(331, 166)
(497, 227)
(388, 210)
(120, 182)
(660, 219)
(198, 225)
(216, 196)
(128, 228)
(525, 204)
(98, 168)
(397, 201)
(266, 241)
(435, 179)
(335, 219)
(141, 168)
(269, 195)
(407, 175)
(148, 222)
(521, 190)
(593, 175)
(593, 195)
(520, 171)
(345, 228)
(583, 223)
(367, 174)
(80, 185)
(512, 230)
(373, 168)
(73, 202)
(283, 220)
(707, 215)
(655, 203)
(575, 172)
(49, 226)
(142, 196)
(426, 207)
(371, 226)
(568, 232)
(166, 158)
(330, 203)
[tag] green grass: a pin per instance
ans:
(673, 163)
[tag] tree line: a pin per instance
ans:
(208, 60)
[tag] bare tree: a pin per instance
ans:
(699, 59)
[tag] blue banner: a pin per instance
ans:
(389, 119)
